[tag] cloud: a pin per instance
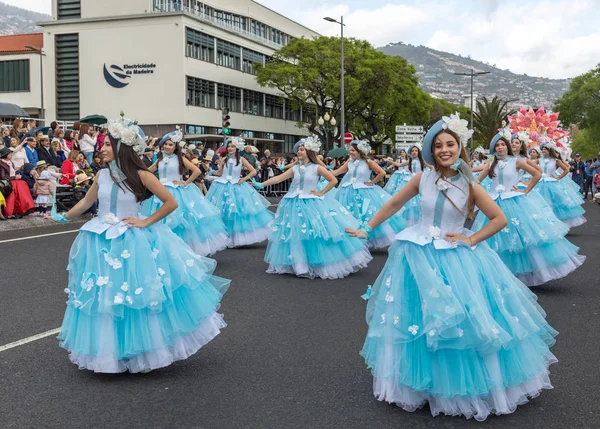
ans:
(548, 38)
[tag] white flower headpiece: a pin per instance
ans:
(550, 144)
(177, 136)
(311, 143)
(127, 132)
(524, 137)
(239, 143)
(479, 149)
(458, 126)
(364, 147)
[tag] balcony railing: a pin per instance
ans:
(180, 6)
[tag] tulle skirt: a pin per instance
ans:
(196, 220)
(397, 182)
(244, 211)
(139, 301)
(411, 211)
(533, 244)
(565, 203)
(308, 239)
(455, 328)
(363, 203)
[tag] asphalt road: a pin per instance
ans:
(288, 359)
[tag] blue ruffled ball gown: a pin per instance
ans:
(564, 201)
(397, 180)
(138, 298)
(308, 236)
(196, 220)
(245, 212)
(533, 244)
(363, 201)
(449, 324)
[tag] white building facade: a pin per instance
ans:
(171, 62)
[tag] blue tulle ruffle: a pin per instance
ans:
(565, 203)
(397, 182)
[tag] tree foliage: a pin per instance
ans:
(441, 107)
(586, 142)
(381, 91)
(488, 119)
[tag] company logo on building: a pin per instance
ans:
(120, 76)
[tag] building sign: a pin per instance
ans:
(119, 76)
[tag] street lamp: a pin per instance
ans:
(342, 114)
(472, 74)
(326, 125)
(41, 52)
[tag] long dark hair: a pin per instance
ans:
(362, 155)
(491, 172)
(465, 157)
(313, 157)
(553, 153)
(177, 151)
(406, 154)
(522, 148)
(237, 153)
(420, 158)
(130, 164)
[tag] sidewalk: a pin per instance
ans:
(28, 222)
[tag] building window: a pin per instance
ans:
(67, 76)
(14, 76)
(253, 103)
(68, 9)
(258, 28)
(200, 46)
(290, 113)
(200, 93)
(228, 54)
(248, 134)
(273, 107)
(230, 19)
(277, 37)
(195, 129)
(249, 59)
(289, 142)
(229, 96)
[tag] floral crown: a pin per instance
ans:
(479, 149)
(238, 142)
(523, 137)
(505, 132)
(458, 126)
(177, 137)
(311, 143)
(364, 147)
(127, 132)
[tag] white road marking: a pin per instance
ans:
(29, 339)
(38, 236)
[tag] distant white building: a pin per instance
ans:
(467, 101)
(171, 62)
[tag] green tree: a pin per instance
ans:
(580, 106)
(441, 107)
(488, 119)
(381, 91)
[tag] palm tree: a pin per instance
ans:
(488, 119)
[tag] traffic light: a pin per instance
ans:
(226, 122)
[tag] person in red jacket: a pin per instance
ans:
(69, 168)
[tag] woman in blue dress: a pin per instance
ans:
(412, 209)
(566, 205)
(138, 297)
(245, 212)
(449, 324)
(478, 163)
(518, 145)
(401, 176)
(308, 236)
(361, 196)
(196, 220)
(533, 244)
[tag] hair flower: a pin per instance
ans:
(458, 126)
(311, 143)
(238, 142)
(364, 147)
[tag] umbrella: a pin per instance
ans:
(338, 152)
(94, 120)
(9, 110)
(31, 133)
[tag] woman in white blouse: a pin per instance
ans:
(19, 156)
(87, 143)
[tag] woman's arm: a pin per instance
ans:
(479, 168)
(251, 171)
(278, 179)
(82, 206)
(564, 166)
(341, 170)
(491, 210)
(324, 172)
(484, 173)
(195, 172)
(291, 164)
(410, 190)
(154, 167)
(379, 173)
(169, 204)
(535, 175)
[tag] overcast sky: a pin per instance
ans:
(550, 38)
